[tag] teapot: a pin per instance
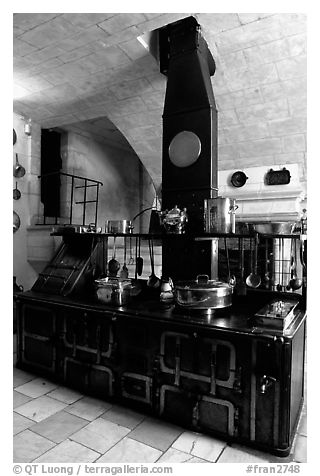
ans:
(175, 220)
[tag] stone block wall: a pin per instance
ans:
(260, 89)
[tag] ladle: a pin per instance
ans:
(295, 282)
(254, 280)
(153, 281)
(124, 273)
(113, 265)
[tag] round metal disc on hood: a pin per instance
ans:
(184, 149)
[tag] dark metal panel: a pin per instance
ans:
(201, 175)
(297, 376)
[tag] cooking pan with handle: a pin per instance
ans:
(16, 193)
(18, 170)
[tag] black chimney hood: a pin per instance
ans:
(189, 147)
(186, 59)
(189, 119)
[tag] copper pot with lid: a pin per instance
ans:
(203, 294)
(113, 290)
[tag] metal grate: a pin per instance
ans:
(86, 183)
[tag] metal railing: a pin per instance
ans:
(87, 183)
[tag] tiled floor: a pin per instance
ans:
(53, 423)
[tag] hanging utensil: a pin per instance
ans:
(279, 285)
(113, 265)
(231, 279)
(267, 281)
(136, 285)
(282, 264)
(241, 285)
(139, 260)
(18, 169)
(16, 193)
(153, 281)
(131, 258)
(124, 273)
(288, 287)
(136, 256)
(254, 280)
(295, 282)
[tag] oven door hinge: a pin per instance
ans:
(237, 388)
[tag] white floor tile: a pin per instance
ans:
(20, 377)
(20, 423)
(40, 408)
(88, 408)
(176, 456)
(65, 395)
(130, 451)
(123, 416)
(199, 445)
(156, 433)
(235, 455)
(300, 449)
(36, 388)
(19, 399)
(100, 435)
(59, 427)
(68, 452)
(27, 446)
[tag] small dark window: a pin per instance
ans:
(50, 162)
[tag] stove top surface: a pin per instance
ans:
(278, 309)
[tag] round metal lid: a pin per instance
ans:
(184, 149)
(202, 286)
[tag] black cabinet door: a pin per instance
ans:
(38, 338)
(88, 336)
(267, 374)
(94, 379)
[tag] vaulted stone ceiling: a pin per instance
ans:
(89, 70)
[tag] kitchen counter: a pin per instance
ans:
(237, 318)
(219, 374)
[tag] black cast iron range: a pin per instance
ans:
(189, 154)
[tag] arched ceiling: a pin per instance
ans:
(74, 70)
